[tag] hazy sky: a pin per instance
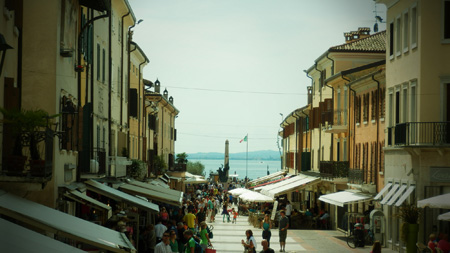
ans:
(232, 66)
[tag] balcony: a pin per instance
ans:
(97, 165)
(332, 169)
(339, 124)
(419, 134)
(356, 176)
(179, 167)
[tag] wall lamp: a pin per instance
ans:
(3, 47)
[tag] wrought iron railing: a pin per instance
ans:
(334, 169)
(356, 176)
(419, 134)
(340, 117)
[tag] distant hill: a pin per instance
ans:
(253, 155)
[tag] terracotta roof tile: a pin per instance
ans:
(375, 43)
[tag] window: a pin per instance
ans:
(374, 105)
(344, 147)
(382, 103)
(398, 36)
(104, 66)
(397, 106)
(413, 102)
(414, 27)
(366, 107)
(69, 123)
(345, 104)
(391, 40)
(405, 104)
(358, 109)
(446, 19)
(391, 107)
(339, 106)
(405, 32)
(98, 62)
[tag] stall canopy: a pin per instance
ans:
(441, 201)
(345, 197)
(120, 196)
(298, 182)
(195, 180)
(19, 239)
(391, 192)
(239, 191)
(255, 197)
(260, 186)
(268, 177)
(158, 188)
(63, 224)
(385, 189)
(152, 194)
(86, 200)
(444, 216)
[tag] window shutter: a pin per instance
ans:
(133, 104)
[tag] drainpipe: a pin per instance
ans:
(140, 109)
(109, 88)
(121, 69)
(377, 119)
(296, 142)
(310, 132)
(332, 63)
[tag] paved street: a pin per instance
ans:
(228, 236)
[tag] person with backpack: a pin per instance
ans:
(191, 246)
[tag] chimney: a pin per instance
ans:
(363, 32)
(166, 93)
(171, 100)
(157, 86)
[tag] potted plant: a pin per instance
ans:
(410, 214)
(12, 131)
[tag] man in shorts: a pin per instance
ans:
(283, 227)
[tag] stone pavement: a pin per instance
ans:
(228, 236)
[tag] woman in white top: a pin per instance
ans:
(250, 244)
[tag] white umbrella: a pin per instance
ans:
(441, 201)
(255, 197)
(195, 180)
(444, 216)
(239, 191)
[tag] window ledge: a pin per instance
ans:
(381, 173)
(413, 45)
(382, 119)
(391, 57)
(357, 124)
(405, 50)
(398, 53)
(365, 122)
(373, 121)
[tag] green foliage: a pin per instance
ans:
(137, 169)
(124, 152)
(159, 165)
(182, 158)
(196, 168)
(410, 213)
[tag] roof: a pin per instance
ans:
(375, 43)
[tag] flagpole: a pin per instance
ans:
(246, 161)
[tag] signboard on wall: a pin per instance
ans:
(440, 174)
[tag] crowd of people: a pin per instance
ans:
(439, 242)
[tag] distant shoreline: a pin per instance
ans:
(238, 159)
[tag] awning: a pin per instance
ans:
(195, 180)
(280, 183)
(444, 216)
(151, 194)
(86, 200)
(239, 191)
(159, 188)
(344, 197)
(385, 189)
(15, 238)
(159, 183)
(405, 195)
(120, 196)
(260, 186)
(268, 177)
(390, 193)
(397, 195)
(441, 201)
(63, 224)
(299, 184)
(255, 197)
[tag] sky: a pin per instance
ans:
(236, 67)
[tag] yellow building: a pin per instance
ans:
(417, 150)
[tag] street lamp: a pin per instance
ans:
(3, 47)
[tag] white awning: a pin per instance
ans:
(441, 201)
(63, 224)
(385, 189)
(255, 197)
(159, 188)
(397, 195)
(405, 195)
(268, 177)
(86, 200)
(151, 194)
(345, 197)
(390, 193)
(239, 191)
(444, 216)
(15, 238)
(276, 185)
(159, 183)
(299, 184)
(195, 180)
(120, 196)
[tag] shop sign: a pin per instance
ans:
(440, 174)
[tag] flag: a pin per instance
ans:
(245, 139)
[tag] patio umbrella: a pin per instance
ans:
(255, 197)
(440, 201)
(444, 216)
(239, 191)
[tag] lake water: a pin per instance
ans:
(255, 168)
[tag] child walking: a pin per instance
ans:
(235, 215)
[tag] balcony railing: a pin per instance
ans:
(179, 167)
(419, 134)
(340, 117)
(327, 117)
(356, 176)
(333, 169)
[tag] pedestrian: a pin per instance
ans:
(283, 227)
(376, 247)
(205, 240)
(190, 245)
(288, 210)
(190, 219)
(173, 242)
(265, 247)
(159, 231)
(181, 239)
(235, 215)
(164, 245)
(266, 225)
(250, 243)
(225, 211)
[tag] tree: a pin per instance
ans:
(196, 168)
(159, 165)
(137, 169)
(182, 158)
